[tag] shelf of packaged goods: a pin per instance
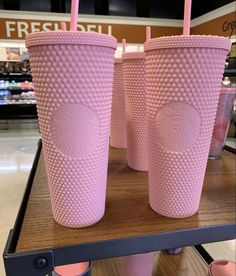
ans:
(12, 76)
(16, 91)
(18, 111)
(230, 73)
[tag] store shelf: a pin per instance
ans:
(18, 111)
(17, 108)
(230, 73)
(16, 76)
(129, 225)
(16, 91)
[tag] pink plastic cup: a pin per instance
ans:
(222, 268)
(72, 74)
(222, 121)
(79, 269)
(118, 117)
(183, 77)
(134, 84)
(137, 265)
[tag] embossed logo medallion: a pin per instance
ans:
(75, 130)
(177, 126)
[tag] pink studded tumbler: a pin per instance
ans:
(183, 78)
(72, 74)
(118, 117)
(137, 265)
(223, 117)
(134, 84)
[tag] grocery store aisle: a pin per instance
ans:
(17, 150)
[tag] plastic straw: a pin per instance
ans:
(148, 33)
(187, 17)
(63, 26)
(74, 15)
(123, 44)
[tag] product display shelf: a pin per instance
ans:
(16, 77)
(230, 73)
(18, 111)
(18, 91)
(37, 243)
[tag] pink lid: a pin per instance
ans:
(60, 37)
(228, 90)
(118, 60)
(190, 41)
(133, 55)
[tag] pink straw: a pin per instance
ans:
(63, 26)
(74, 15)
(123, 44)
(148, 33)
(187, 17)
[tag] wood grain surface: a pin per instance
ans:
(188, 263)
(127, 209)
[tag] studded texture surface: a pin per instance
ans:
(188, 80)
(118, 116)
(76, 82)
(134, 83)
(137, 265)
(82, 38)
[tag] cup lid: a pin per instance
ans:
(133, 55)
(188, 41)
(69, 37)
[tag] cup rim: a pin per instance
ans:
(190, 41)
(70, 37)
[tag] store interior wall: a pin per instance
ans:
(223, 24)
(137, 8)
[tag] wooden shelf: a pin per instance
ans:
(129, 223)
(128, 227)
